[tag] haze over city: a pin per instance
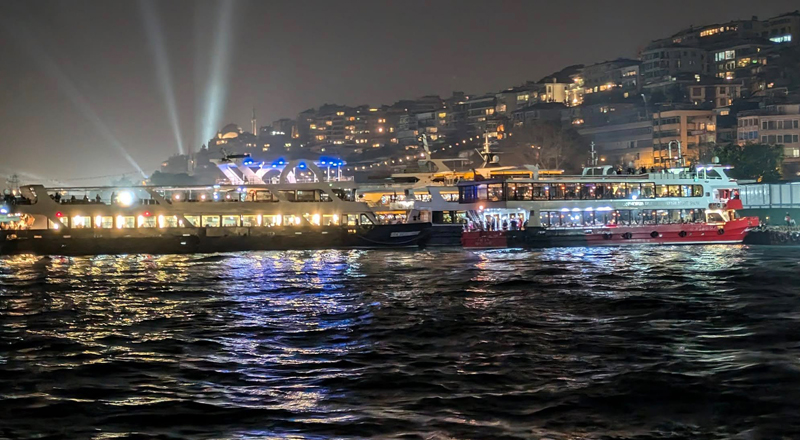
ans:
(89, 82)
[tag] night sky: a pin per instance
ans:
(81, 81)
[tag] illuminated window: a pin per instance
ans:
(230, 220)
(210, 221)
(781, 39)
(339, 113)
(328, 123)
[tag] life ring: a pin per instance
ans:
(682, 234)
(654, 234)
(720, 231)
(627, 235)
(607, 236)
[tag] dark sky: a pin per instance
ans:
(80, 80)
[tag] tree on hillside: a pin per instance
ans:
(752, 161)
(706, 152)
(546, 144)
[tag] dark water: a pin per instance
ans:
(688, 342)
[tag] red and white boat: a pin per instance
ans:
(602, 208)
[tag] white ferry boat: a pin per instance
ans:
(602, 207)
(308, 213)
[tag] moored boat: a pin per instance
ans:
(315, 214)
(603, 208)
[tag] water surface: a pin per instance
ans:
(605, 343)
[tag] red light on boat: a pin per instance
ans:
(59, 214)
(147, 213)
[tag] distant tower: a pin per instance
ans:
(253, 122)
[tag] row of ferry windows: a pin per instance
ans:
(208, 221)
(495, 192)
(621, 217)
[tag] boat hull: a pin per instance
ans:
(732, 232)
(208, 240)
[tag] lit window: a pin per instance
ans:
(781, 39)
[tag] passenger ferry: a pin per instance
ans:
(602, 207)
(428, 191)
(294, 213)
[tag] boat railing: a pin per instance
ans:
(648, 176)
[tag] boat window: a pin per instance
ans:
(697, 190)
(572, 191)
(619, 190)
(366, 220)
(557, 191)
(448, 197)
(482, 192)
(495, 192)
(81, 222)
(635, 190)
(603, 191)
(522, 191)
(572, 219)
(669, 216)
(263, 196)
(588, 218)
(588, 191)
(466, 194)
(544, 218)
(288, 194)
(126, 222)
(250, 221)
(649, 217)
(624, 217)
(230, 220)
(348, 195)
(272, 220)
(325, 197)
(352, 220)
(106, 222)
(540, 191)
(648, 190)
(194, 220)
(675, 191)
(636, 217)
(715, 217)
(146, 221)
(305, 195)
(330, 220)
(662, 191)
(210, 221)
(292, 220)
(553, 219)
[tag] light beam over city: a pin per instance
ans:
(155, 39)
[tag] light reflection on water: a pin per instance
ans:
(667, 342)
